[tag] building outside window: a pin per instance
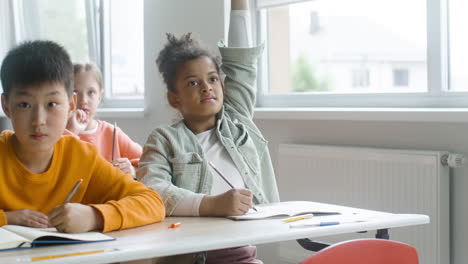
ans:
(316, 52)
(400, 77)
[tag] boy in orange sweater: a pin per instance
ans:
(39, 167)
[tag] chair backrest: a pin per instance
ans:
(365, 251)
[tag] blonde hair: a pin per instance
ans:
(89, 67)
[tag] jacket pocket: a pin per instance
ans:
(186, 170)
(251, 153)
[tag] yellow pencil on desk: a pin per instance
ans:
(297, 218)
(66, 255)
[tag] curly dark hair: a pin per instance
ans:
(176, 52)
(36, 62)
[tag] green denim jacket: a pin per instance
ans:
(173, 163)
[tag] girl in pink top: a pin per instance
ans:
(89, 91)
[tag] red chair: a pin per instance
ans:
(365, 251)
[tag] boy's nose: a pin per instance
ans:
(39, 116)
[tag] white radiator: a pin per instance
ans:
(398, 181)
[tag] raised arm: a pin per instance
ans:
(240, 32)
(239, 62)
(239, 4)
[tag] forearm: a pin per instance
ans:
(135, 210)
(239, 4)
(240, 26)
(189, 206)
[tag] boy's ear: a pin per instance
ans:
(5, 108)
(173, 99)
(72, 105)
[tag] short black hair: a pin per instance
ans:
(176, 52)
(36, 62)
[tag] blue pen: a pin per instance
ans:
(322, 223)
(328, 223)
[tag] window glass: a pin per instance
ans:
(400, 77)
(347, 46)
(65, 23)
(126, 48)
(458, 45)
(360, 78)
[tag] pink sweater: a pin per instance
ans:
(102, 139)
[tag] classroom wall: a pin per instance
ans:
(405, 135)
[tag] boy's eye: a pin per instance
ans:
(90, 93)
(193, 83)
(52, 104)
(24, 105)
(213, 79)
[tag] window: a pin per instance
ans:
(6, 36)
(400, 77)
(360, 78)
(458, 43)
(360, 53)
(108, 33)
(61, 21)
(123, 38)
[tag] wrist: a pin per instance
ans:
(98, 220)
(6, 220)
(239, 4)
(206, 206)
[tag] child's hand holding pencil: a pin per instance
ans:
(236, 201)
(74, 217)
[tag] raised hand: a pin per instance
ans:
(78, 122)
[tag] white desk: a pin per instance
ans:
(205, 233)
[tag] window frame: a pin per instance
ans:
(436, 96)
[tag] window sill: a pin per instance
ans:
(365, 114)
(121, 113)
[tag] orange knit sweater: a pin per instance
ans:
(123, 202)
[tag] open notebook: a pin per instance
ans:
(16, 237)
(291, 208)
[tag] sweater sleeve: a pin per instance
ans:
(240, 67)
(3, 219)
(240, 29)
(128, 148)
(123, 202)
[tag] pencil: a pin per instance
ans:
(113, 141)
(66, 255)
(297, 218)
(225, 179)
(70, 195)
